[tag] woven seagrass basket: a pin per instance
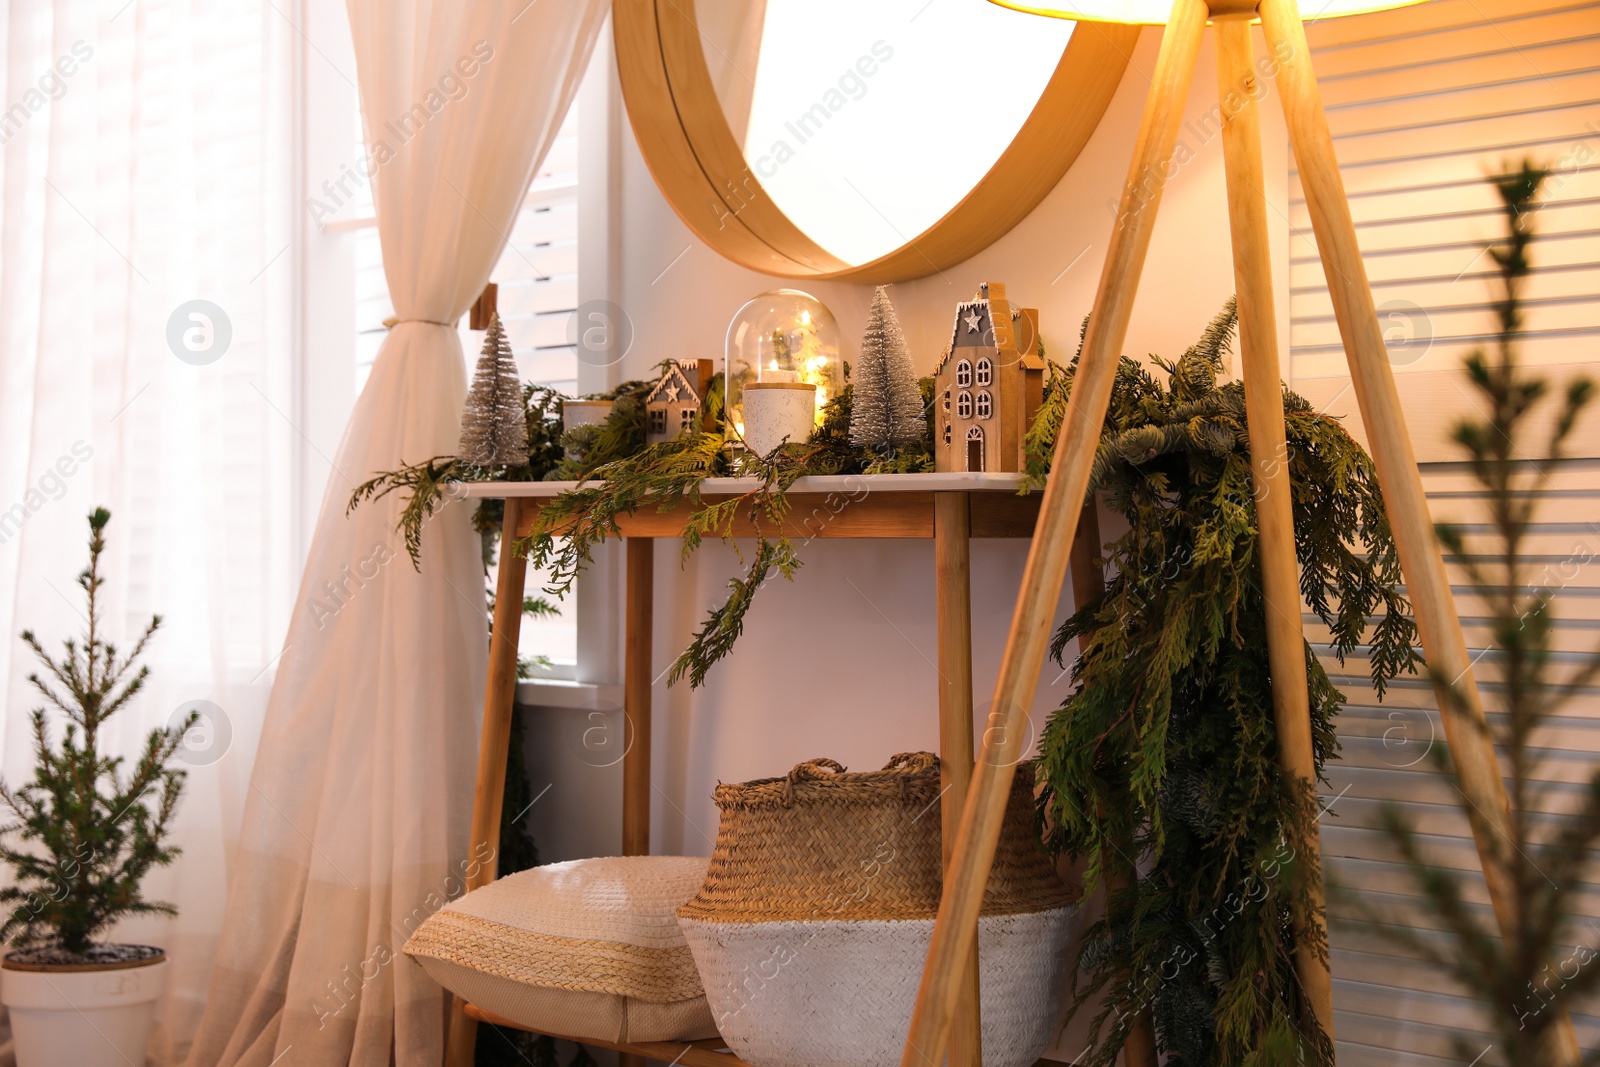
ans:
(818, 908)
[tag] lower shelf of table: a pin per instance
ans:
(709, 1053)
(712, 1052)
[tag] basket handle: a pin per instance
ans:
(912, 761)
(810, 770)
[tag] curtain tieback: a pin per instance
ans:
(391, 322)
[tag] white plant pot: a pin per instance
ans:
(774, 411)
(829, 993)
(83, 1018)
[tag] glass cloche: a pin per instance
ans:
(783, 336)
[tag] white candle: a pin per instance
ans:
(775, 412)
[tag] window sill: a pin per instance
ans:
(556, 693)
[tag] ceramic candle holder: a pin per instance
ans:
(575, 413)
(774, 411)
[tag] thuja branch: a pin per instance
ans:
(426, 484)
(1163, 759)
(618, 475)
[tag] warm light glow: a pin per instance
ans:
(782, 337)
(848, 156)
(1155, 12)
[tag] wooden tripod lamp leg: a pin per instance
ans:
(1471, 750)
(1048, 554)
(1237, 86)
(493, 744)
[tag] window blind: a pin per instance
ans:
(537, 274)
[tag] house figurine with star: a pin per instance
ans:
(674, 404)
(988, 386)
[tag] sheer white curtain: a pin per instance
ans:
(361, 796)
(146, 163)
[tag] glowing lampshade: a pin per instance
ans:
(1155, 12)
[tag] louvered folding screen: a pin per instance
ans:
(1424, 103)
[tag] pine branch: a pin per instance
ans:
(1507, 976)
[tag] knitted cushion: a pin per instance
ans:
(589, 948)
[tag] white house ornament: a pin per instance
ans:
(673, 406)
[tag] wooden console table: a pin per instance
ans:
(949, 508)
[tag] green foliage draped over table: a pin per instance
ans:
(665, 476)
(1163, 759)
(619, 474)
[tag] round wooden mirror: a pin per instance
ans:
(869, 140)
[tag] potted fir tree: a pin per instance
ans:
(80, 838)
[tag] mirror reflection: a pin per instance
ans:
(867, 120)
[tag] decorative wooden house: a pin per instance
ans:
(674, 404)
(988, 386)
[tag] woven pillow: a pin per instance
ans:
(586, 949)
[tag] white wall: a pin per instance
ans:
(840, 662)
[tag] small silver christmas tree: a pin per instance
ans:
(886, 405)
(494, 427)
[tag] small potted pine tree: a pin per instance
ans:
(80, 837)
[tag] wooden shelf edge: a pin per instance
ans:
(711, 1052)
(927, 482)
(867, 515)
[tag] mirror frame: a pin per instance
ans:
(700, 167)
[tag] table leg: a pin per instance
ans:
(952, 551)
(493, 744)
(636, 684)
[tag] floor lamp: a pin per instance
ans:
(955, 933)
